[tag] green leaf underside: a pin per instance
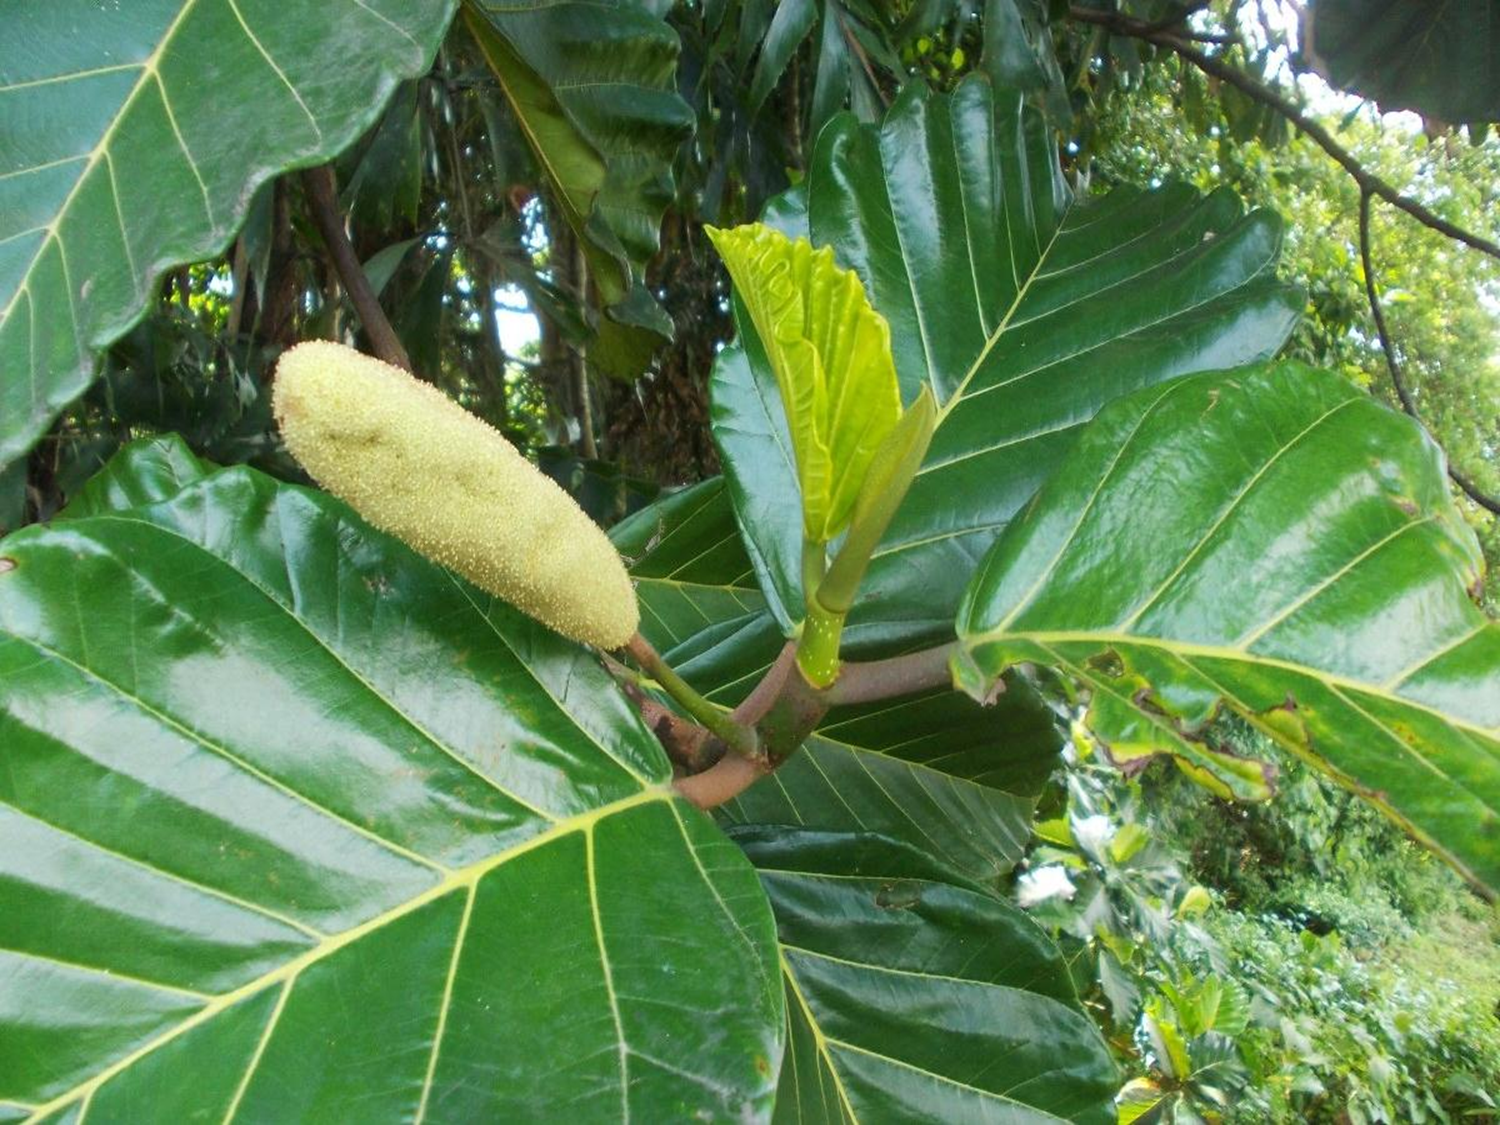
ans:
(1442, 60)
(593, 87)
(136, 141)
(258, 858)
(1023, 308)
(937, 771)
(915, 996)
(831, 355)
(1274, 540)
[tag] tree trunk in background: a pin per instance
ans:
(658, 428)
(562, 365)
(278, 305)
(494, 348)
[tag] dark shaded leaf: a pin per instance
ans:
(688, 564)
(143, 472)
(1438, 57)
(789, 27)
(915, 996)
(591, 84)
(937, 771)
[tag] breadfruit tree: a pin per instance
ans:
(363, 776)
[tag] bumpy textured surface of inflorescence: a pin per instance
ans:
(415, 464)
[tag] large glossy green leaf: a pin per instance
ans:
(133, 138)
(937, 771)
(1438, 57)
(1023, 307)
(913, 995)
(143, 472)
(1274, 540)
(296, 826)
(688, 565)
(592, 85)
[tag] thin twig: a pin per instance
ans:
(691, 747)
(739, 738)
(1176, 24)
(322, 194)
(859, 52)
(1407, 402)
(1178, 18)
(1209, 64)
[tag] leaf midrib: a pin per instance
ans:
(820, 1041)
(459, 879)
(148, 72)
(1000, 329)
(1105, 638)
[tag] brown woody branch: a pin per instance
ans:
(322, 195)
(773, 721)
(889, 679)
(722, 782)
(1176, 24)
(1408, 404)
(1368, 181)
(739, 737)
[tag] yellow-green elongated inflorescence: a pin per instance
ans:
(414, 463)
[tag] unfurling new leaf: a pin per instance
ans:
(415, 464)
(831, 353)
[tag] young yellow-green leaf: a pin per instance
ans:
(831, 353)
(1024, 307)
(1274, 540)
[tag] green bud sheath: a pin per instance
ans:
(414, 463)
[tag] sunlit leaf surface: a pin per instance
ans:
(1024, 307)
(1276, 541)
(133, 138)
(296, 826)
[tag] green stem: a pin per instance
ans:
(814, 567)
(818, 651)
(818, 648)
(741, 739)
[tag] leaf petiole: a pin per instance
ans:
(738, 737)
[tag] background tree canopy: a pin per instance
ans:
(1106, 237)
(494, 181)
